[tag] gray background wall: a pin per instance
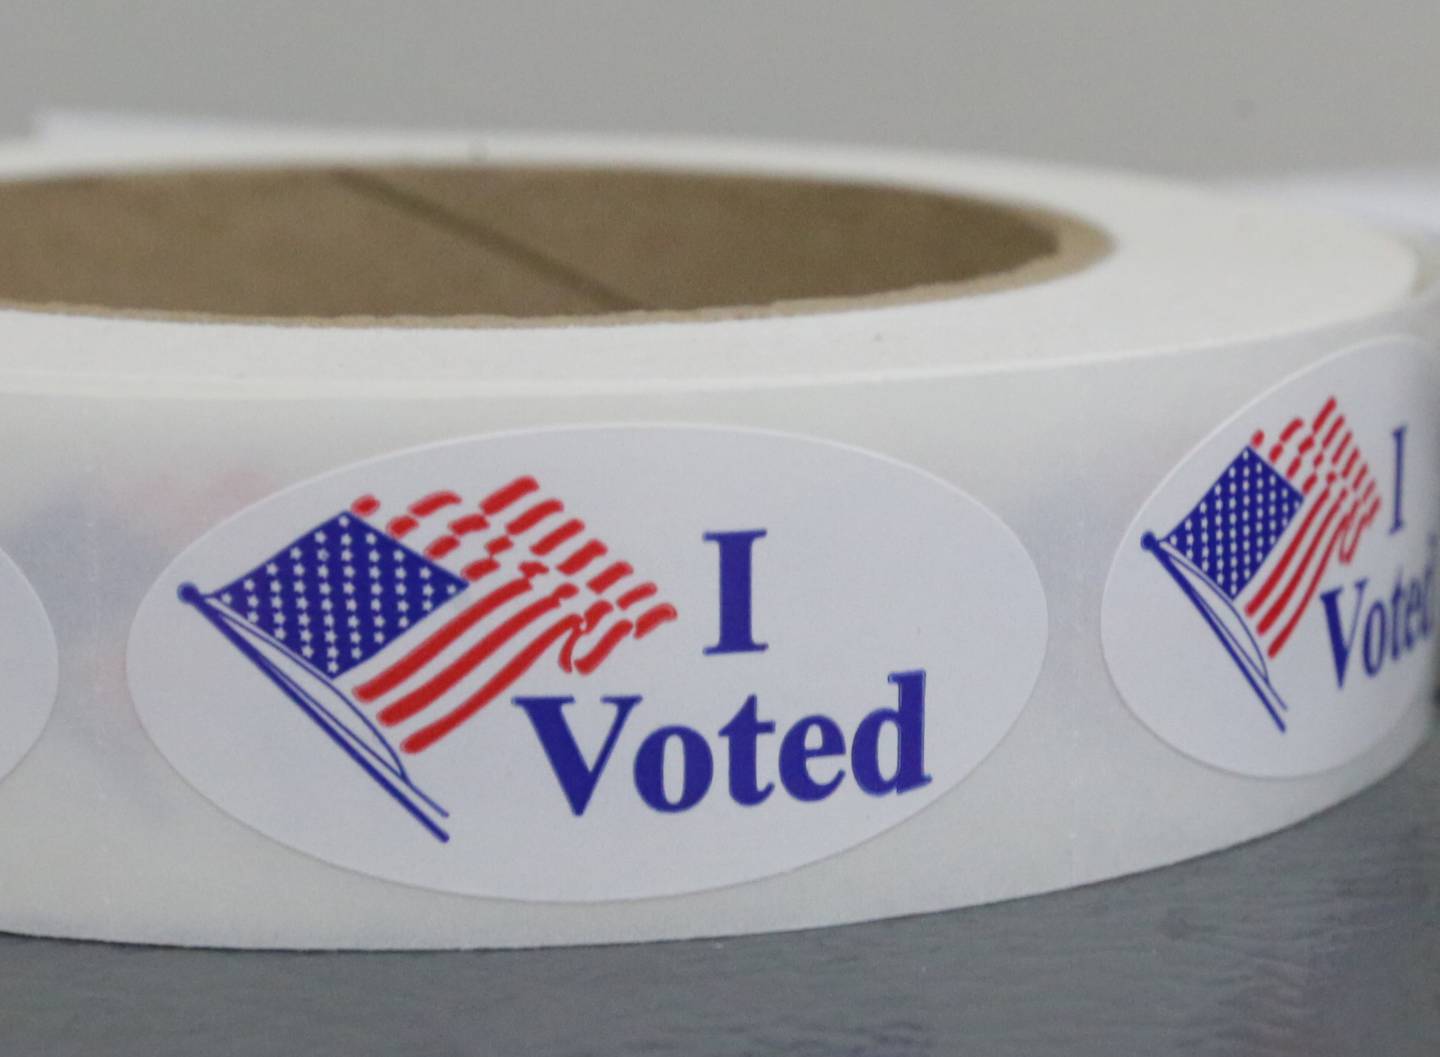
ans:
(1196, 87)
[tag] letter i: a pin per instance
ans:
(736, 633)
(1397, 520)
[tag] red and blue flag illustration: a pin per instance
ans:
(1253, 551)
(390, 629)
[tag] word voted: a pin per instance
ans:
(1395, 620)
(1388, 623)
(808, 766)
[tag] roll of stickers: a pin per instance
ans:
(461, 543)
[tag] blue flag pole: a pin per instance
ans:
(403, 792)
(1252, 667)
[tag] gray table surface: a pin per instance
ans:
(1323, 939)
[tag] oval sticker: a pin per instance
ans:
(30, 665)
(1272, 609)
(591, 664)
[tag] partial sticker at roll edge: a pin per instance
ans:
(1271, 610)
(29, 663)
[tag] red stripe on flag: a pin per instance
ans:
(588, 623)
(426, 694)
(441, 547)
(1335, 428)
(1348, 547)
(1350, 463)
(532, 517)
(438, 640)
(583, 557)
(501, 498)
(569, 530)
(433, 502)
(610, 577)
(612, 638)
(505, 629)
(1278, 643)
(1274, 578)
(401, 527)
(463, 526)
(1363, 513)
(516, 667)
(653, 618)
(1273, 614)
(1344, 445)
(475, 570)
(636, 594)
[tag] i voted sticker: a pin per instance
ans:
(1273, 610)
(591, 664)
(28, 663)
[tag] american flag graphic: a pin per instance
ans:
(1253, 552)
(391, 626)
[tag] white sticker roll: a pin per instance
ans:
(512, 542)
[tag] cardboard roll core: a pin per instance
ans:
(487, 243)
